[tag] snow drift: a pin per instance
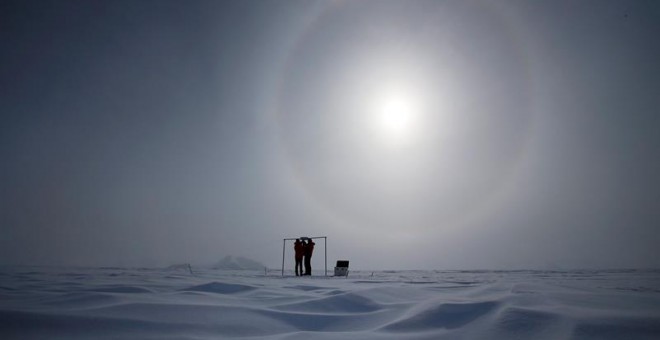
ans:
(118, 303)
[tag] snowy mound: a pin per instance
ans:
(220, 288)
(238, 263)
(115, 303)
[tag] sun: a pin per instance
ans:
(395, 116)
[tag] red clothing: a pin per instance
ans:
(309, 249)
(298, 248)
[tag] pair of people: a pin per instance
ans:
(303, 252)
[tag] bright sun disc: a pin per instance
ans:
(394, 117)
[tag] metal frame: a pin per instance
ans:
(325, 248)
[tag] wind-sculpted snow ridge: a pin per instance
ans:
(121, 303)
(220, 288)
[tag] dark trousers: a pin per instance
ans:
(299, 267)
(308, 265)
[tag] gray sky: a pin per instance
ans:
(415, 135)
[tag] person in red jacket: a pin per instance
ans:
(309, 249)
(299, 252)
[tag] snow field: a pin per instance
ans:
(120, 303)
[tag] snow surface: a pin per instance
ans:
(121, 303)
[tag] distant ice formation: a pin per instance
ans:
(238, 263)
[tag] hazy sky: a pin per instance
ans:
(414, 134)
